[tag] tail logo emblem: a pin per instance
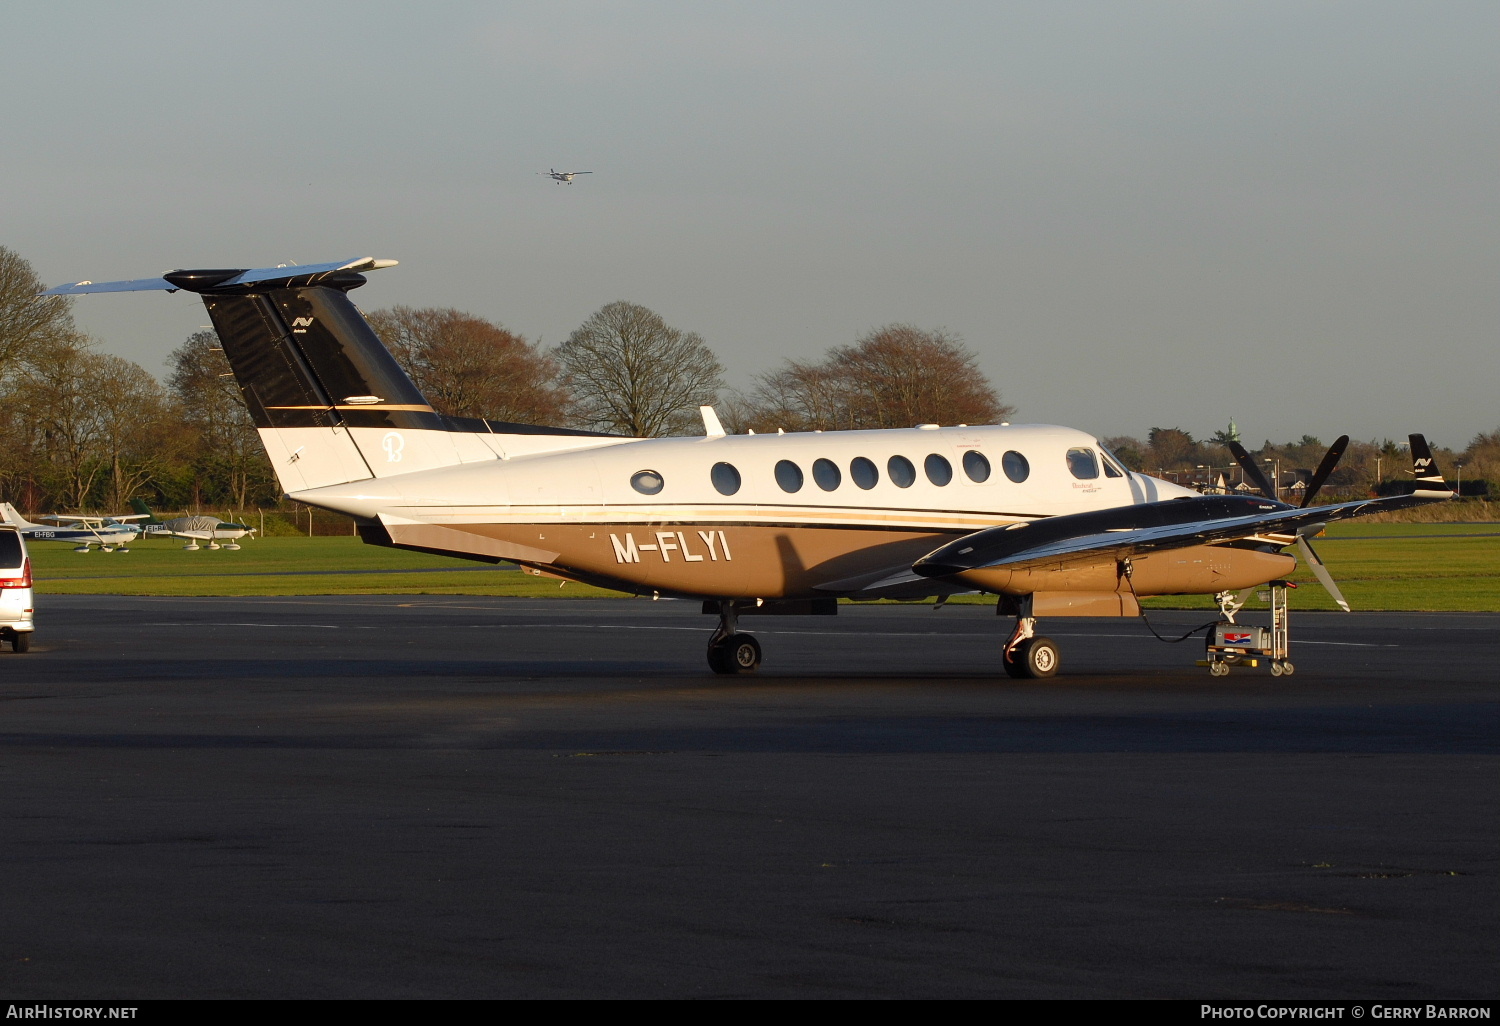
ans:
(300, 325)
(393, 443)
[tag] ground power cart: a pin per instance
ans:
(1237, 644)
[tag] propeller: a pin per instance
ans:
(1310, 557)
(1330, 460)
(1251, 468)
(1320, 477)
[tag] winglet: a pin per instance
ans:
(1424, 468)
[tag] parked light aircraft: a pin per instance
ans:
(109, 533)
(564, 177)
(194, 528)
(1041, 516)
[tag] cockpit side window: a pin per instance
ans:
(1112, 466)
(1083, 464)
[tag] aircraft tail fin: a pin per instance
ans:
(8, 512)
(139, 505)
(1430, 483)
(331, 403)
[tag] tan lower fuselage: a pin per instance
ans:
(715, 560)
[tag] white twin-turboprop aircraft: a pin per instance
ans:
(1041, 516)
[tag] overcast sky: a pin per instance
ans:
(1137, 214)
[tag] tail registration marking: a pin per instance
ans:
(668, 542)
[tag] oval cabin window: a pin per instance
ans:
(863, 473)
(647, 482)
(1015, 466)
(726, 479)
(826, 473)
(1083, 464)
(901, 471)
(976, 466)
(789, 476)
(939, 470)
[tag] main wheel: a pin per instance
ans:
(20, 641)
(738, 653)
(1034, 657)
(744, 653)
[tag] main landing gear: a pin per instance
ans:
(1028, 655)
(728, 650)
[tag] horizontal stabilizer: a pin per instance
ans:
(226, 279)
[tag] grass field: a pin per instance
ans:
(1450, 566)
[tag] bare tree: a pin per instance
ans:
(896, 376)
(26, 322)
(470, 367)
(227, 454)
(138, 429)
(96, 427)
(630, 372)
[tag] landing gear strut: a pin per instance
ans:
(728, 650)
(1027, 655)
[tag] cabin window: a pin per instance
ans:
(826, 473)
(1015, 466)
(939, 470)
(789, 476)
(726, 479)
(901, 472)
(1082, 464)
(647, 482)
(864, 473)
(976, 466)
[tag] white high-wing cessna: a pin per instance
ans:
(563, 177)
(1041, 516)
(109, 533)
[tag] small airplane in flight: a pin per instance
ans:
(195, 529)
(1043, 517)
(562, 177)
(109, 533)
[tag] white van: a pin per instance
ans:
(15, 589)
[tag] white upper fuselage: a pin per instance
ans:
(594, 484)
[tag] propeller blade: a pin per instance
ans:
(1321, 572)
(1252, 471)
(1330, 460)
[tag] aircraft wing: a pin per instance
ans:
(1123, 531)
(1113, 534)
